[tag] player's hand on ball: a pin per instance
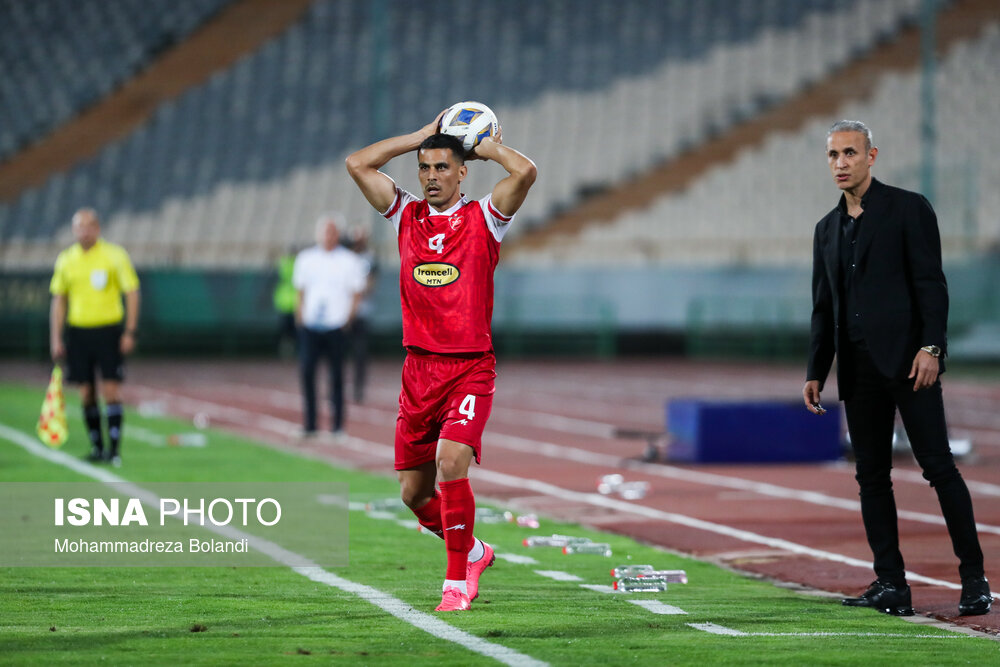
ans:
(434, 127)
(497, 138)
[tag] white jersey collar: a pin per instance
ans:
(462, 201)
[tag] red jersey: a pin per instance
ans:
(447, 261)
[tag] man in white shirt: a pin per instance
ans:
(330, 281)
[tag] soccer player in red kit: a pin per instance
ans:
(448, 249)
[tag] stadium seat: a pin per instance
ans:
(631, 88)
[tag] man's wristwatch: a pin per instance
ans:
(932, 350)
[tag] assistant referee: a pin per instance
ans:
(90, 328)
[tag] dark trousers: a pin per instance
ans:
(359, 351)
(286, 331)
(314, 345)
(871, 414)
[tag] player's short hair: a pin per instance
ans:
(454, 144)
(852, 126)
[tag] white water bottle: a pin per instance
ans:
(608, 483)
(630, 570)
(640, 585)
(670, 576)
(553, 541)
(488, 515)
(596, 548)
(633, 490)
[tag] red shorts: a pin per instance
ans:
(443, 396)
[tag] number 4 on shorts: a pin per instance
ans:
(468, 406)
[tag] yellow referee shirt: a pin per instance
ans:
(93, 282)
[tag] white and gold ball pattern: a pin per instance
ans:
(471, 122)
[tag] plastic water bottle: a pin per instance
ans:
(670, 576)
(488, 515)
(630, 570)
(640, 585)
(633, 490)
(523, 520)
(648, 571)
(609, 483)
(554, 541)
(596, 548)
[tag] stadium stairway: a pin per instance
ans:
(235, 31)
(857, 81)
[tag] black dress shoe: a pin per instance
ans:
(888, 598)
(976, 598)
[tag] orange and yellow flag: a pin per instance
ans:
(52, 428)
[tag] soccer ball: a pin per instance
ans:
(471, 122)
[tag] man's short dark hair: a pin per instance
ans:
(452, 143)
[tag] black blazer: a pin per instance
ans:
(901, 289)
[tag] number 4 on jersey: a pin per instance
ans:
(468, 407)
(436, 243)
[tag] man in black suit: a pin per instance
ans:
(880, 305)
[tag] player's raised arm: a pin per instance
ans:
(509, 193)
(364, 165)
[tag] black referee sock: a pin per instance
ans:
(114, 411)
(92, 416)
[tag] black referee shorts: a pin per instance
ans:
(92, 348)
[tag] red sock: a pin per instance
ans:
(458, 514)
(429, 515)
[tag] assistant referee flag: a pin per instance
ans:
(52, 428)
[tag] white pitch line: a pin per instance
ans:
(983, 488)
(559, 423)
(401, 610)
(558, 575)
(228, 413)
(281, 398)
(544, 488)
(716, 629)
(516, 558)
(599, 588)
(658, 607)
